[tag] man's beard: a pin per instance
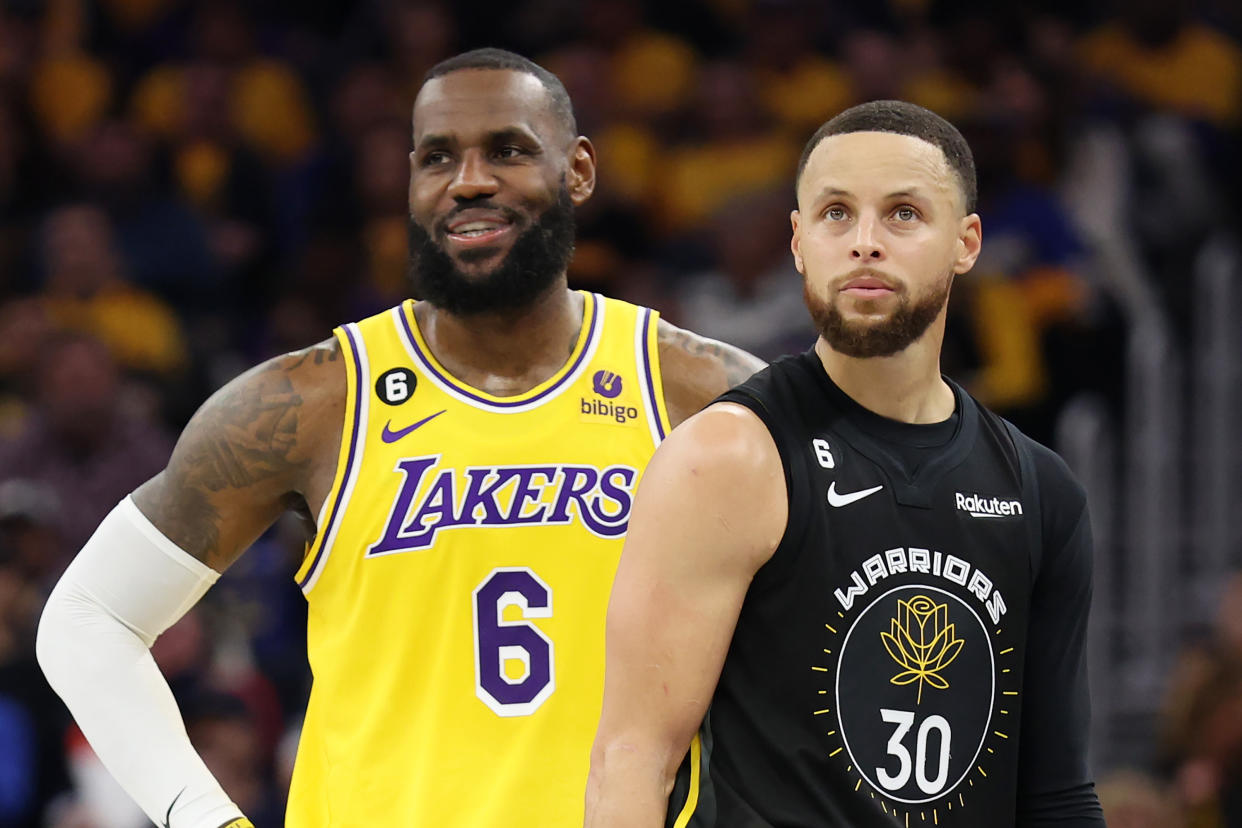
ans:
(909, 321)
(538, 257)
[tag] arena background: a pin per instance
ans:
(187, 188)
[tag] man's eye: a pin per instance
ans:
(433, 158)
(906, 214)
(508, 152)
(835, 214)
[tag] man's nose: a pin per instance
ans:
(473, 178)
(866, 245)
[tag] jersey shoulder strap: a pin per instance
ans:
(1030, 491)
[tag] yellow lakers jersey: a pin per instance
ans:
(458, 586)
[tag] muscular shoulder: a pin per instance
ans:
(696, 369)
(727, 440)
(250, 452)
(317, 376)
(722, 472)
(277, 412)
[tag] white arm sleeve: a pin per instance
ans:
(127, 585)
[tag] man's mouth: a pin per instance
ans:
(477, 228)
(867, 286)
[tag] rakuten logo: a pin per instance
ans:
(982, 507)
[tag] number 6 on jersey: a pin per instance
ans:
(501, 645)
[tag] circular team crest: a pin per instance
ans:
(915, 686)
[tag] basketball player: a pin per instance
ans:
(465, 465)
(880, 587)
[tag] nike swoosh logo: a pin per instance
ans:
(168, 814)
(835, 499)
(390, 436)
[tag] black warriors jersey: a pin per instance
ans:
(876, 675)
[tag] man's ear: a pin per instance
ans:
(581, 176)
(969, 243)
(795, 242)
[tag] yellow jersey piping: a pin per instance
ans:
(584, 349)
(348, 473)
(692, 795)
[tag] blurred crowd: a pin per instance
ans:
(187, 188)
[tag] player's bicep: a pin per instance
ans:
(237, 464)
(710, 510)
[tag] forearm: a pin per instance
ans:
(628, 787)
(117, 596)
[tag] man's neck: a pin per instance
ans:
(906, 387)
(505, 353)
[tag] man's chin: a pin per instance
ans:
(479, 261)
(876, 310)
(858, 323)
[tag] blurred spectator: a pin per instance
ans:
(132, 16)
(798, 85)
(223, 733)
(932, 80)
(221, 177)
(86, 289)
(18, 45)
(1029, 277)
(652, 71)
(17, 170)
(19, 745)
(30, 538)
(628, 148)
(367, 96)
(629, 81)
(381, 183)
(753, 295)
(731, 148)
(1132, 799)
(612, 254)
(876, 64)
(267, 103)
(166, 246)
(1157, 56)
(24, 326)
(258, 620)
(31, 718)
(80, 439)
(419, 34)
(18, 771)
(1202, 721)
(94, 799)
(70, 91)
(913, 67)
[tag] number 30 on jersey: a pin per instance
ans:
(501, 645)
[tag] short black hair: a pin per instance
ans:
(490, 58)
(903, 118)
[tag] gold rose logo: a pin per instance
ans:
(922, 641)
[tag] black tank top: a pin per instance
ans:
(875, 675)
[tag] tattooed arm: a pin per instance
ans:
(696, 369)
(265, 443)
